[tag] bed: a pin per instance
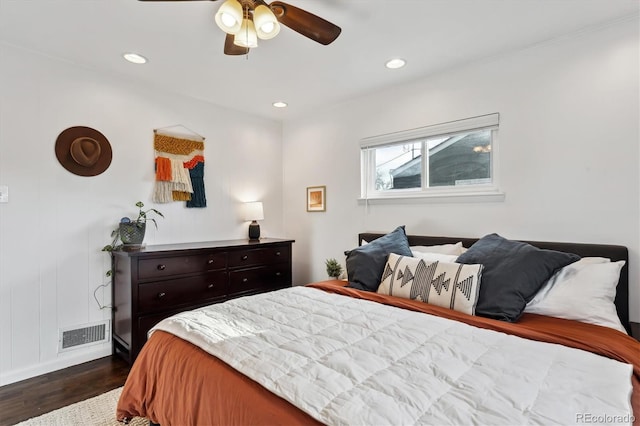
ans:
(325, 353)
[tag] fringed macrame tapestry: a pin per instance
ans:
(179, 170)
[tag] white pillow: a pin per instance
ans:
(449, 249)
(449, 285)
(450, 258)
(442, 248)
(583, 291)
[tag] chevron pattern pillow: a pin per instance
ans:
(449, 285)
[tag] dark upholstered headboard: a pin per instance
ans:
(612, 252)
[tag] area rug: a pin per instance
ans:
(96, 411)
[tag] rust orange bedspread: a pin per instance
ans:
(174, 382)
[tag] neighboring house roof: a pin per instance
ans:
(452, 160)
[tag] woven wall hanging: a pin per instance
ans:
(179, 170)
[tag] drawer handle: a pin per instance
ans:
(244, 280)
(210, 286)
(210, 261)
(278, 274)
(245, 257)
(277, 253)
(161, 295)
(161, 267)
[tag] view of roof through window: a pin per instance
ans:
(453, 160)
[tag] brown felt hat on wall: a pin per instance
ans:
(83, 151)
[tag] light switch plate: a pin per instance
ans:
(4, 194)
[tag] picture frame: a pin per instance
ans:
(316, 198)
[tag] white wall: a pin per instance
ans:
(569, 137)
(55, 223)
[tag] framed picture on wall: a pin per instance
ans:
(316, 198)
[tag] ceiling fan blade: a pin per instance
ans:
(232, 49)
(305, 23)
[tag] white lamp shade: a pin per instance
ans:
(253, 211)
(247, 36)
(229, 16)
(266, 24)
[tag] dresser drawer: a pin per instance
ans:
(260, 256)
(146, 323)
(176, 265)
(259, 279)
(163, 295)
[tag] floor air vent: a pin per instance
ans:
(72, 338)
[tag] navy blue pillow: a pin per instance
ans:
(365, 264)
(513, 273)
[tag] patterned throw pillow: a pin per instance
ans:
(449, 285)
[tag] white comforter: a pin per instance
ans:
(346, 361)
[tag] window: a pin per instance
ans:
(449, 159)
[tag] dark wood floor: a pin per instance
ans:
(33, 397)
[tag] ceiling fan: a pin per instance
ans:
(245, 21)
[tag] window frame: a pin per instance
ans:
(481, 192)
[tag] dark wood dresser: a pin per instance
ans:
(156, 282)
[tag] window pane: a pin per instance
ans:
(461, 159)
(398, 166)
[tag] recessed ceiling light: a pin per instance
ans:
(395, 63)
(280, 104)
(135, 58)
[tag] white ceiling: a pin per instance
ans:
(184, 45)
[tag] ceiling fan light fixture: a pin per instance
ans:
(266, 24)
(247, 36)
(229, 17)
(244, 21)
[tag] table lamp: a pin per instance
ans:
(253, 211)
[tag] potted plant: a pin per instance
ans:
(131, 232)
(334, 269)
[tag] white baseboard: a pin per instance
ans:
(63, 361)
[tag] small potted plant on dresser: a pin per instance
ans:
(334, 269)
(131, 231)
(130, 234)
